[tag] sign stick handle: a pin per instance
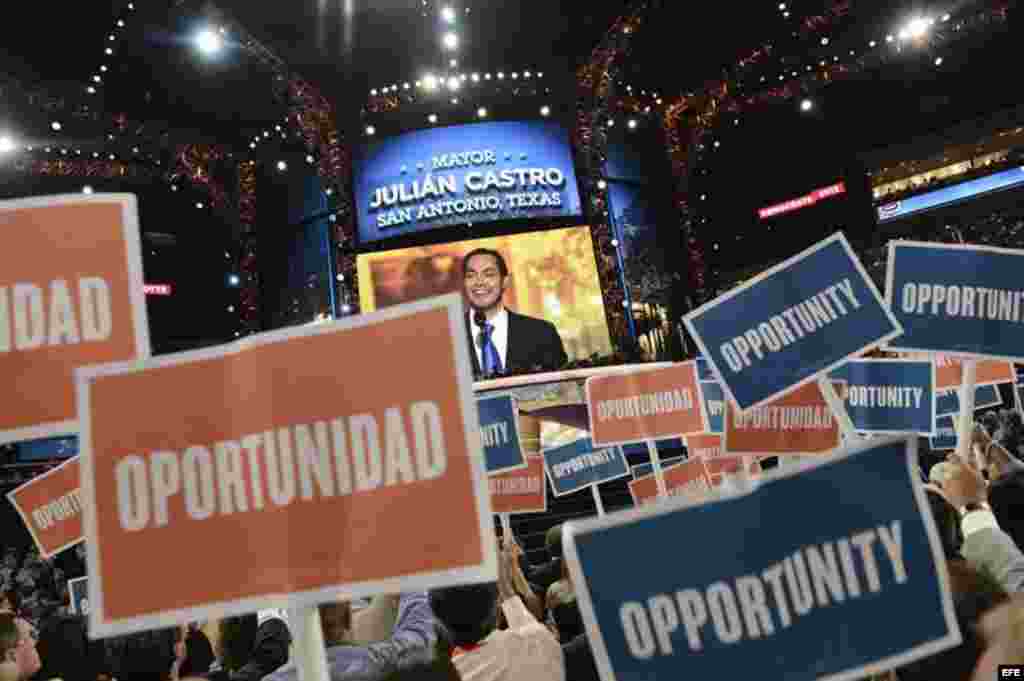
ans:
(835, 403)
(311, 658)
(659, 475)
(506, 526)
(597, 499)
(963, 445)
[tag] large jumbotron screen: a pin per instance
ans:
(479, 172)
(552, 276)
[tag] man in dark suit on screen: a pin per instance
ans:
(503, 342)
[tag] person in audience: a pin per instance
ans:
(66, 651)
(543, 576)
(8, 671)
(146, 656)
(579, 660)
(1003, 631)
(18, 645)
(411, 642)
(1006, 491)
(252, 646)
(974, 595)
(198, 652)
(374, 622)
(437, 667)
(9, 601)
(236, 640)
(983, 543)
(563, 609)
(336, 622)
(525, 650)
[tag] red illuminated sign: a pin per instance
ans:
(157, 289)
(804, 201)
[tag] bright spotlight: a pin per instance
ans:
(631, 124)
(209, 42)
(501, 75)
(481, 112)
(545, 110)
(56, 126)
(282, 166)
(432, 118)
(938, 61)
(782, 7)
(370, 130)
(451, 40)
(310, 159)
(233, 280)
(602, 185)
(448, 14)
(919, 27)
(453, 83)
(476, 77)
(6, 145)
(452, 63)
(87, 189)
(806, 105)
(430, 82)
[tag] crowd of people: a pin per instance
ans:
(527, 625)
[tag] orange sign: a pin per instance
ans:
(645, 404)
(799, 422)
(289, 462)
(70, 295)
(687, 479)
(51, 507)
(732, 465)
(949, 370)
(708, 448)
(520, 491)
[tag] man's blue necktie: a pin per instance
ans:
(492, 362)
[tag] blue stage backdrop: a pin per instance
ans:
(469, 173)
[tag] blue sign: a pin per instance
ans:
(576, 465)
(704, 372)
(637, 448)
(467, 173)
(78, 592)
(806, 600)
(890, 395)
(792, 323)
(963, 191)
(499, 434)
(714, 400)
(642, 470)
(956, 299)
(948, 401)
(945, 434)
